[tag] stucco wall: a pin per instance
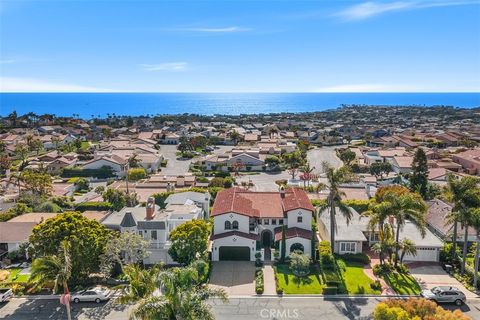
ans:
(233, 241)
(219, 223)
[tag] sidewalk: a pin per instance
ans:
(269, 280)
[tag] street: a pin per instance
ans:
(237, 308)
(318, 155)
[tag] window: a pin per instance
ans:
(154, 234)
(235, 225)
(259, 221)
(280, 221)
(266, 221)
(274, 221)
(299, 219)
(140, 233)
(348, 247)
(228, 225)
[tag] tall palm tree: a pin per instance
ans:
(475, 223)
(183, 297)
(141, 283)
(464, 194)
(409, 206)
(378, 214)
(407, 246)
(335, 177)
(56, 269)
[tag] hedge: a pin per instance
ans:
(330, 290)
(93, 206)
(357, 257)
(101, 173)
(259, 283)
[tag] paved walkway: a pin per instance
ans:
(269, 280)
(374, 260)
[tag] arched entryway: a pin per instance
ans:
(297, 246)
(267, 238)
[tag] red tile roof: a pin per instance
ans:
(292, 233)
(260, 204)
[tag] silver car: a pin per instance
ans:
(445, 294)
(91, 295)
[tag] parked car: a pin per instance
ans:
(445, 294)
(92, 295)
(5, 294)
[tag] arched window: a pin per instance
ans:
(228, 225)
(296, 246)
(235, 225)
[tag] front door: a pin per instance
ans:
(266, 238)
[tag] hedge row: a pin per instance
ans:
(100, 173)
(93, 206)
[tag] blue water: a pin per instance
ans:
(101, 104)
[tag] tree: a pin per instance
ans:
(419, 175)
(347, 156)
(118, 198)
(475, 223)
(407, 246)
(123, 248)
(189, 241)
(183, 297)
(37, 182)
(299, 263)
(464, 194)
(307, 174)
(133, 161)
(136, 174)
(141, 283)
(216, 182)
(283, 246)
(272, 162)
(5, 163)
(88, 239)
(81, 184)
(335, 177)
(235, 136)
(21, 151)
(378, 169)
(54, 268)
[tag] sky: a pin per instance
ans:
(240, 46)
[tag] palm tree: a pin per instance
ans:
(408, 247)
(475, 223)
(378, 214)
(335, 178)
(56, 269)
(464, 194)
(409, 206)
(183, 297)
(141, 283)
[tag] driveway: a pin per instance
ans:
(237, 278)
(174, 166)
(432, 275)
(264, 181)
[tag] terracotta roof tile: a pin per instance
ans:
(292, 233)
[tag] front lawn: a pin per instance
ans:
(355, 279)
(292, 284)
(402, 283)
(14, 275)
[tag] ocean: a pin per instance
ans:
(88, 105)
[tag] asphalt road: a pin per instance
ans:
(318, 155)
(174, 165)
(251, 308)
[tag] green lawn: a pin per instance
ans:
(292, 284)
(356, 281)
(402, 283)
(85, 145)
(15, 277)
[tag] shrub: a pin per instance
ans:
(299, 263)
(93, 206)
(326, 257)
(379, 270)
(376, 285)
(341, 265)
(359, 205)
(48, 206)
(81, 184)
(202, 179)
(227, 182)
(136, 174)
(259, 282)
(401, 268)
(329, 290)
(221, 174)
(216, 182)
(357, 257)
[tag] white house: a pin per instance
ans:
(246, 222)
(155, 224)
(355, 237)
(117, 164)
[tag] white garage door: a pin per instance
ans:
(423, 254)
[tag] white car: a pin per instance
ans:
(5, 294)
(91, 295)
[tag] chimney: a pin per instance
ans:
(282, 192)
(150, 208)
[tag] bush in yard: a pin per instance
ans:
(136, 174)
(329, 290)
(93, 206)
(259, 282)
(379, 270)
(376, 285)
(341, 265)
(81, 184)
(189, 241)
(48, 206)
(326, 257)
(299, 263)
(397, 309)
(357, 257)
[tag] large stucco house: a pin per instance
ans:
(247, 222)
(155, 224)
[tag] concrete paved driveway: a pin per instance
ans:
(235, 277)
(432, 275)
(174, 166)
